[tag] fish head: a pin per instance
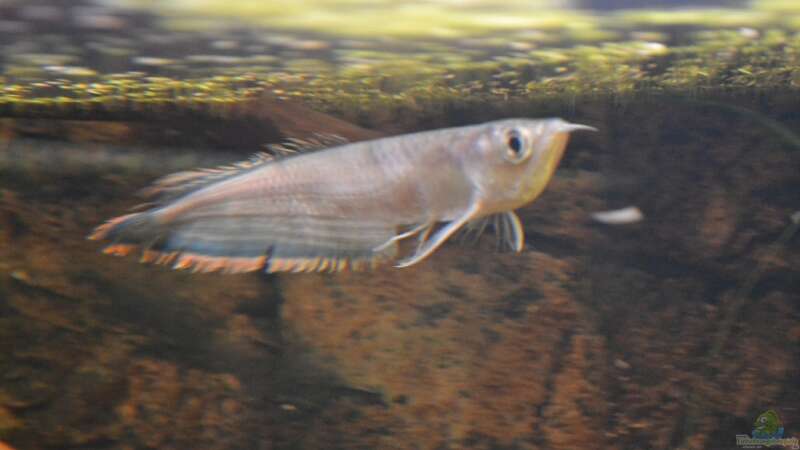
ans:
(513, 160)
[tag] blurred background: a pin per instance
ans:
(671, 322)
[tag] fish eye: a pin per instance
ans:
(515, 147)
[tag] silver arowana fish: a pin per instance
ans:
(348, 204)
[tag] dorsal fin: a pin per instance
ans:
(174, 185)
(317, 141)
(177, 184)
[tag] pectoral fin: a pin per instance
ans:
(513, 234)
(428, 246)
(426, 226)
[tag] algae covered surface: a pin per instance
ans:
(379, 61)
(676, 331)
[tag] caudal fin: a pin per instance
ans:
(127, 233)
(130, 228)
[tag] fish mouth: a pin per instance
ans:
(567, 127)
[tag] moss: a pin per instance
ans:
(107, 94)
(367, 19)
(430, 55)
(777, 6)
(701, 18)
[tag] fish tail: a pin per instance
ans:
(128, 231)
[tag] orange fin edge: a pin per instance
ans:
(321, 264)
(232, 265)
(203, 263)
(101, 231)
(119, 249)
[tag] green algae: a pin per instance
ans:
(777, 6)
(704, 18)
(125, 92)
(414, 19)
(345, 57)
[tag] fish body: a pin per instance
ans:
(347, 205)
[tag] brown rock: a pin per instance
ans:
(464, 356)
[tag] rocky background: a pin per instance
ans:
(673, 332)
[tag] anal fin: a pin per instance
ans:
(232, 243)
(280, 244)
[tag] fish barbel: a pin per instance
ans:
(348, 204)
